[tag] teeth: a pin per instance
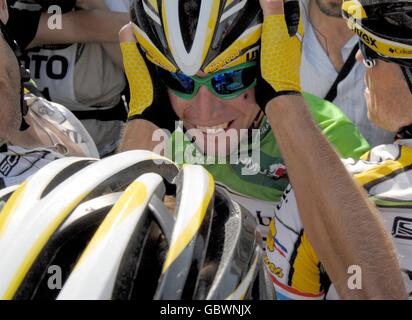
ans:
(215, 129)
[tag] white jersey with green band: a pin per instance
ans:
(385, 173)
(261, 192)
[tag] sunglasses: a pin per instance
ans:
(226, 84)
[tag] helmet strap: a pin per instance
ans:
(368, 55)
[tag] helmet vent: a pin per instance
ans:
(65, 174)
(188, 17)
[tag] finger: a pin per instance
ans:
(126, 34)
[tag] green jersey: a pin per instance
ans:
(260, 192)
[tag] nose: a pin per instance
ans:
(204, 104)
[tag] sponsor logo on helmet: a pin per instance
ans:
(219, 65)
(400, 51)
(366, 38)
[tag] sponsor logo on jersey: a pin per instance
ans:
(402, 228)
(56, 67)
(273, 243)
(277, 170)
(278, 272)
(8, 164)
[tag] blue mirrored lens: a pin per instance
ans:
(186, 83)
(232, 81)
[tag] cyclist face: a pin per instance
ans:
(331, 8)
(387, 95)
(10, 116)
(218, 121)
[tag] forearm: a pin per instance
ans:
(344, 228)
(81, 27)
(138, 134)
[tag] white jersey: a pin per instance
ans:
(385, 173)
(82, 77)
(318, 74)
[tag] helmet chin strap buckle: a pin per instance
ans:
(369, 63)
(368, 55)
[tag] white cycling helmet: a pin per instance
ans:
(104, 224)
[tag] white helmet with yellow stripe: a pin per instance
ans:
(385, 30)
(191, 36)
(105, 226)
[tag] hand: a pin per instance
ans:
(140, 81)
(280, 53)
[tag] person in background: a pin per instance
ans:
(297, 241)
(78, 65)
(33, 131)
(329, 49)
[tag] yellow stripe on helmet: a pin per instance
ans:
(354, 9)
(212, 28)
(152, 52)
(153, 3)
(228, 3)
(183, 239)
(10, 207)
(249, 38)
(134, 196)
(240, 292)
(37, 247)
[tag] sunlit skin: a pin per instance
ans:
(208, 110)
(388, 97)
(10, 116)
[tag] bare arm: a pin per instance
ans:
(138, 134)
(80, 27)
(342, 225)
